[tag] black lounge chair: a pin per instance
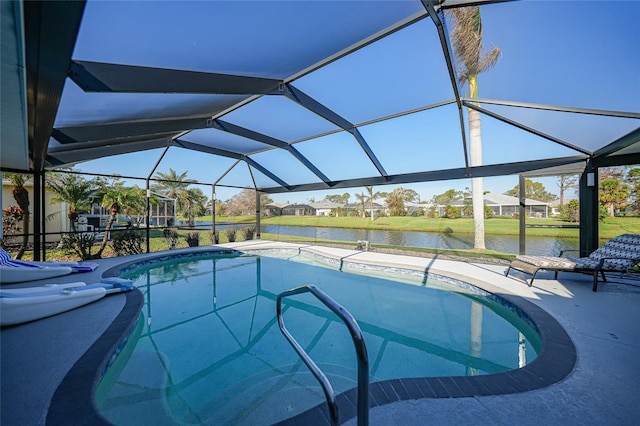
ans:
(619, 254)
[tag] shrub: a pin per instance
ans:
(11, 220)
(603, 212)
(215, 236)
(193, 239)
(248, 232)
(451, 212)
(171, 236)
(488, 212)
(432, 212)
(127, 242)
(570, 211)
(79, 244)
(231, 234)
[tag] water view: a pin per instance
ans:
(503, 243)
(543, 246)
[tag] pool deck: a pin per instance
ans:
(40, 360)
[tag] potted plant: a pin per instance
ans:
(215, 236)
(193, 238)
(231, 234)
(248, 232)
(171, 236)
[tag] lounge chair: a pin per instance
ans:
(28, 304)
(619, 254)
(14, 271)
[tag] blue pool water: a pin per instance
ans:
(207, 348)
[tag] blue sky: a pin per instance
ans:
(564, 53)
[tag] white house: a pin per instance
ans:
(503, 205)
(324, 207)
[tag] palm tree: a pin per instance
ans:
(466, 37)
(194, 204)
(115, 198)
(78, 193)
(372, 197)
(395, 202)
(171, 184)
(175, 186)
(362, 200)
(74, 190)
(21, 195)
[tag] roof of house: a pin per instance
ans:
(325, 204)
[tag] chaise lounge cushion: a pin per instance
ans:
(620, 253)
(12, 271)
(548, 262)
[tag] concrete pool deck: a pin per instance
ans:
(38, 359)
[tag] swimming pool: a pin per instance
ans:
(207, 348)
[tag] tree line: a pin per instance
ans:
(619, 194)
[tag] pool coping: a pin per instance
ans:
(75, 398)
(556, 360)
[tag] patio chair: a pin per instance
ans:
(619, 254)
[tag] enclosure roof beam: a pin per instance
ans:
(66, 157)
(208, 149)
(436, 17)
(590, 111)
(230, 154)
(521, 126)
(266, 172)
(268, 140)
(505, 169)
(105, 77)
(79, 146)
(51, 29)
(616, 146)
(306, 101)
(112, 131)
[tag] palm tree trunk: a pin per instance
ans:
(21, 195)
(477, 189)
(105, 239)
(25, 236)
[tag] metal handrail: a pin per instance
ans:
(358, 341)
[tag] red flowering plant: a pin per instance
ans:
(11, 220)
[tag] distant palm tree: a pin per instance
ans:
(395, 202)
(21, 195)
(176, 186)
(115, 197)
(466, 37)
(194, 205)
(372, 197)
(362, 200)
(78, 193)
(74, 190)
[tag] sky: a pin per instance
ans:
(581, 54)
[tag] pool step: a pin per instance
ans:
(267, 398)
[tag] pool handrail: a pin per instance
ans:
(358, 341)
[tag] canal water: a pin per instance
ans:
(544, 246)
(503, 243)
